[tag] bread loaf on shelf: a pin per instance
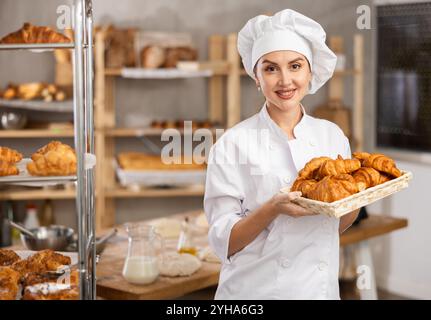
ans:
(143, 161)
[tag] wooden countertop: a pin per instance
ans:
(111, 285)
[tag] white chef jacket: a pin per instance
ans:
(292, 258)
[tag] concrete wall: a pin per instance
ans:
(403, 266)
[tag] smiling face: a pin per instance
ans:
(283, 77)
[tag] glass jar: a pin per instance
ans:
(144, 249)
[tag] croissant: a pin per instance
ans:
(333, 188)
(8, 169)
(384, 178)
(10, 155)
(382, 163)
(338, 166)
(34, 34)
(361, 156)
(54, 159)
(367, 177)
(311, 166)
(9, 283)
(305, 186)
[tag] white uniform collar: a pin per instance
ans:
(301, 130)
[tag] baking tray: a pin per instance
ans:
(343, 206)
(155, 178)
(25, 179)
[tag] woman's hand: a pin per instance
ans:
(281, 203)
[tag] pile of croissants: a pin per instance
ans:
(328, 180)
(54, 159)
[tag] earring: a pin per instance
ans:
(258, 88)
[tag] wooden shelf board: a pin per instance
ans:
(36, 133)
(38, 194)
(120, 192)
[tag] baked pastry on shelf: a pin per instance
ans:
(143, 161)
(10, 155)
(9, 283)
(34, 34)
(42, 261)
(54, 159)
(8, 168)
(8, 257)
(51, 291)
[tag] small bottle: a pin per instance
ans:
(46, 216)
(31, 221)
(185, 241)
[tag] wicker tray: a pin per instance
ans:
(343, 206)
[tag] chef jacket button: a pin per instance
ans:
(287, 180)
(286, 263)
(312, 143)
(271, 147)
(322, 266)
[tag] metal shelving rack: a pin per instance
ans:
(84, 139)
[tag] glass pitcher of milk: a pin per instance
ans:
(145, 245)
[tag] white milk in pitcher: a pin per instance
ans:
(140, 270)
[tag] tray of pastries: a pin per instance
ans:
(53, 163)
(136, 168)
(28, 275)
(336, 187)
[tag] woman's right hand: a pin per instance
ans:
(282, 203)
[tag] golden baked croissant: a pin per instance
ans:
(303, 185)
(337, 166)
(8, 257)
(367, 177)
(42, 261)
(333, 188)
(361, 156)
(9, 283)
(10, 155)
(311, 166)
(34, 34)
(382, 163)
(8, 169)
(54, 159)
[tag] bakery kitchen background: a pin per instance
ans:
(167, 85)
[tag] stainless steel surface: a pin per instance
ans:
(80, 140)
(37, 46)
(13, 120)
(89, 78)
(56, 238)
(101, 243)
(22, 229)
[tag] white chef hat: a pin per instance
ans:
(287, 30)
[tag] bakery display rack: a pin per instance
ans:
(83, 134)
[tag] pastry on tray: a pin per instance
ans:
(10, 155)
(8, 169)
(42, 261)
(54, 159)
(51, 291)
(8, 257)
(9, 283)
(328, 180)
(34, 34)
(143, 161)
